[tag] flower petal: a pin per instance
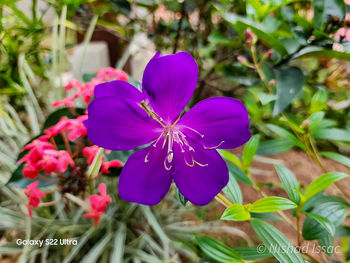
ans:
(145, 182)
(118, 124)
(218, 119)
(200, 184)
(169, 82)
(118, 88)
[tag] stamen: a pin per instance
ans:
(211, 148)
(146, 157)
(170, 157)
(201, 135)
(200, 164)
(190, 165)
(165, 166)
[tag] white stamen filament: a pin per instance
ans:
(171, 134)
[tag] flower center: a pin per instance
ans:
(172, 134)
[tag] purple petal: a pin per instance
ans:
(145, 182)
(218, 119)
(118, 88)
(200, 184)
(169, 82)
(118, 124)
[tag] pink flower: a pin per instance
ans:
(86, 90)
(98, 204)
(34, 195)
(68, 102)
(30, 171)
(112, 73)
(106, 165)
(43, 156)
(74, 127)
(53, 160)
(90, 153)
(72, 84)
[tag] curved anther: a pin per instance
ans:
(190, 165)
(212, 148)
(165, 165)
(200, 164)
(146, 157)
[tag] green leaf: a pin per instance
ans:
(315, 120)
(250, 149)
(117, 254)
(322, 182)
(327, 244)
(289, 85)
(266, 98)
(233, 191)
(337, 157)
(325, 8)
(324, 222)
(230, 157)
(239, 174)
(276, 146)
(271, 204)
(217, 250)
(289, 182)
(332, 208)
(318, 101)
(332, 134)
(286, 134)
(236, 212)
(267, 216)
(276, 243)
(96, 251)
(341, 231)
(180, 197)
(253, 253)
(240, 24)
(322, 53)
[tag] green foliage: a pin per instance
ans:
(289, 182)
(321, 183)
(217, 250)
(233, 191)
(271, 204)
(276, 243)
(290, 81)
(236, 212)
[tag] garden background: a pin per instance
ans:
(288, 197)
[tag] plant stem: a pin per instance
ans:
(258, 69)
(224, 199)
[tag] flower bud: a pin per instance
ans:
(242, 60)
(250, 37)
(305, 125)
(268, 54)
(272, 83)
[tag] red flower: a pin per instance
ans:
(98, 204)
(34, 195)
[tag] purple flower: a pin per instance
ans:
(180, 149)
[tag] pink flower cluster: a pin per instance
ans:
(43, 156)
(75, 128)
(90, 153)
(34, 195)
(86, 90)
(98, 204)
